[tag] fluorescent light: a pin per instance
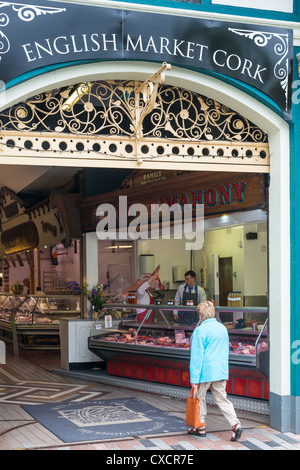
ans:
(117, 246)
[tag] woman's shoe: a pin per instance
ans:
(198, 432)
(237, 432)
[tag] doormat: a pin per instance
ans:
(103, 419)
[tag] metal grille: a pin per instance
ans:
(114, 108)
(114, 120)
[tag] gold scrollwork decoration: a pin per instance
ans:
(114, 108)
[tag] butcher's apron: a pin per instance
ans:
(189, 318)
(141, 315)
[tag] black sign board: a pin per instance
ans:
(45, 33)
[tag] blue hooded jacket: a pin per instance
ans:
(209, 352)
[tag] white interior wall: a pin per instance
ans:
(90, 250)
(167, 253)
(19, 273)
(116, 262)
(225, 243)
(256, 261)
(249, 257)
(68, 263)
(68, 266)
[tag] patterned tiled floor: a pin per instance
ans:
(22, 382)
(28, 393)
(252, 439)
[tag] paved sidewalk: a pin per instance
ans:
(23, 382)
(263, 438)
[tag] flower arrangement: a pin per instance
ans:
(17, 288)
(73, 287)
(96, 295)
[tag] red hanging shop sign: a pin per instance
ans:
(230, 193)
(222, 194)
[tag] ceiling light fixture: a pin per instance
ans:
(81, 90)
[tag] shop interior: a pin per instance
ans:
(234, 259)
(232, 263)
(231, 266)
(49, 270)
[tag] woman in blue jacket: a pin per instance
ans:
(209, 367)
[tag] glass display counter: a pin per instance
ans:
(32, 321)
(248, 340)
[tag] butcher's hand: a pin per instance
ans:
(176, 318)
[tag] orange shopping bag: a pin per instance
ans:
(192, 409)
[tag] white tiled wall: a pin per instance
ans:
(285, 6)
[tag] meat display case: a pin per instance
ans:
(248, 347)
(160, 352)
(32, 321)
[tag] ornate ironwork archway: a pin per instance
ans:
(113, 120)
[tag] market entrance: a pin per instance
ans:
(221, 155)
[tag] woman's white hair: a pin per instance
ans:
(206, 310)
